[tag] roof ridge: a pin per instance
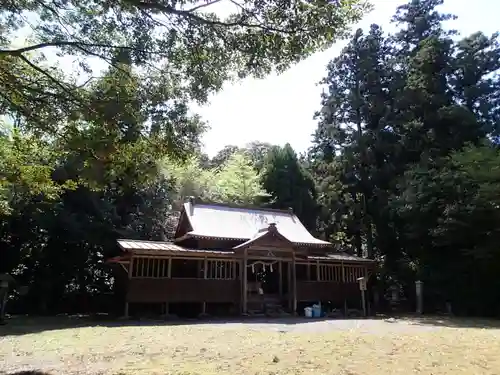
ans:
(149, 241)
(245, 207)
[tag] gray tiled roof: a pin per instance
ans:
(244, 224)
(171, 247)
(340, 256)
(163, 246)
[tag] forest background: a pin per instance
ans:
(403, 166)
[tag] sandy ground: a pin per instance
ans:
(351, 347)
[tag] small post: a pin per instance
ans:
(294, 285)
(4, 289)
(289, 285)
(280, 282)
(244, 281)
(362, 288)
(419, 286)
(394, 300)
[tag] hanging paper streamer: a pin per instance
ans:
(264, 266)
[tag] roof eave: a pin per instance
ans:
(195, 235)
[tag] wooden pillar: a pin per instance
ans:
(280, 282)
(294, 284)
(130, 269)
(289, 274)
(244, 281)
(343, 289)
(169, 269)
(125, 313)
(205, 275)
(308, 271)
(317, 270)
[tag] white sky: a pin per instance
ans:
(279, 109)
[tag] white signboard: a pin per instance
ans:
(362, 283)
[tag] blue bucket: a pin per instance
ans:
(316, 311)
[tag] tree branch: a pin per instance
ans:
(188, 14)
(62, 43)
(202, 5)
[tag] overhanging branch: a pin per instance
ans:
(62, 43)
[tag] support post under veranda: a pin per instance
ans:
(244, 282)
(129, 276)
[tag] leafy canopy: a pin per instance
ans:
(187, 48)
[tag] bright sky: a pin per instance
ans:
(279, 109)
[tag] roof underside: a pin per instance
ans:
(244, 224)
(162, 247)
(169, 247)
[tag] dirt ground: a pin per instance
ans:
(294, 346)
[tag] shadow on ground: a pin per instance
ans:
(27, 325)
(449, 322)
(24, 325)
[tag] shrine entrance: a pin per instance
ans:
(266, 276)
(268, 285)
(268, 279)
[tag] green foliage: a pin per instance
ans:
(255, 150)
(289, 184)
(403, 159)
(108, 150)
(238, 182)
(190, 179)
(452, 213)
(26, 167)
(183, 49)
(223, 156)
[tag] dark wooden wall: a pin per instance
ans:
(327, 291)
(183, 290)
(228, 291)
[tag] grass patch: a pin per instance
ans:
(370, 347)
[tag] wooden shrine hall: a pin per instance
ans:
(237, 260)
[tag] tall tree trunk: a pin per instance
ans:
(364, 180)
(358, 242)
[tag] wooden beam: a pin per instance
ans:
(343, 289)
(294, 283)
(205, 270)
(126, 310)
(130, 268)
(124, 268)
(289, 274)
(280, 280)
(169, 268)
(245, 261)
(240, 277)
